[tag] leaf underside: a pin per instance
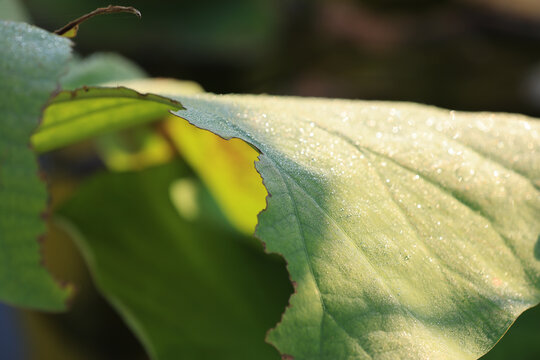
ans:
(32, 60)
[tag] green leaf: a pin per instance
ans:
(134, 149)
(32, 61)
(434, 214)
(76, 115)
(13, 10)
(98, 69)
(227, 169)
(409, 231)
(82, 113)
(189, 287)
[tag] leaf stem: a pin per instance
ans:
(73, 25)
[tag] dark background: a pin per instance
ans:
(459, 54)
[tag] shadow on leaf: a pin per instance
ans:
(189, 287)
(537, 249)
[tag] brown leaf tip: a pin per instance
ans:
(74, 25)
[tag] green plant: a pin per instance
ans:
(408, 231)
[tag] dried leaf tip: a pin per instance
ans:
(71, 28)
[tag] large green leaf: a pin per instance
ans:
(186, 285)
(32, 60)
(409, 231)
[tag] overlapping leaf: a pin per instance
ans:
(32, 60)
(409, 231)
(227, 168)
(90, 111)
(190, 288)
(79, 114)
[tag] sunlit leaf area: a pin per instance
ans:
(265, 179)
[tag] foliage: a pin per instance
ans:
(408, 231)
(31, 63)
(206, 292)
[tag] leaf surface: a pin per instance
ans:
(190, 287)
(32, 61)
(76, 115)
(410, 231)
(82, 113)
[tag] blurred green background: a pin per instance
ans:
(459, 54)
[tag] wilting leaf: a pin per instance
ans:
(188, 287)
(409, 230)
(32, 60)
